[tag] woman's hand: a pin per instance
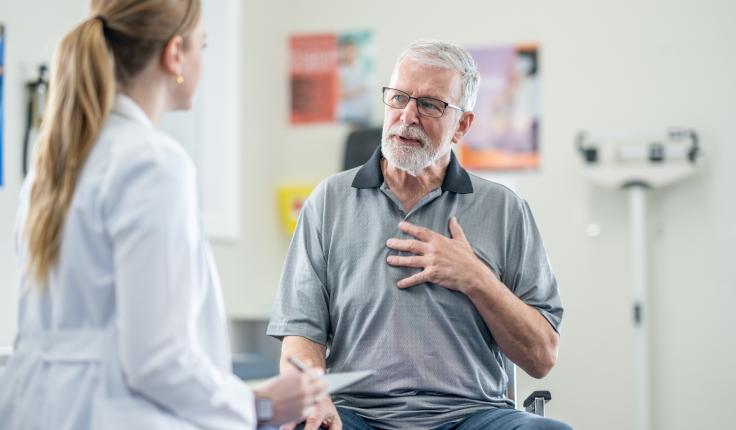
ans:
(293, 395)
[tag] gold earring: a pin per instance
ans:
(179, 79)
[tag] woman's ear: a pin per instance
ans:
(172, 57)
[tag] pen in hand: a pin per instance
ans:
(303, 369)
(298, 364)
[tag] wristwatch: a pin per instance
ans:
(264, 408)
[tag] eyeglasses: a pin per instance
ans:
(426, 106)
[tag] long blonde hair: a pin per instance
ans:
(108, 49)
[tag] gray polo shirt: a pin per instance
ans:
(436, 360)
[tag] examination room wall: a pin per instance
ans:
(32, 30)
(604, 66)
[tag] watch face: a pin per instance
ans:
(264, 409)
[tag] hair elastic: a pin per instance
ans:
(103, 21)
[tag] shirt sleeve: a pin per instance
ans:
(301, 304)
(528, 270)
(151, 217)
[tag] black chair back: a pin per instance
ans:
(360, 146)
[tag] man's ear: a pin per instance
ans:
(172, 57)
(463, 126)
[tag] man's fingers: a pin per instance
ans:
(413, 280)
(288, 426)
(408, 245)
(412, 261)
(314, 421)
(336, 423)
(455, 230)
(420, 233)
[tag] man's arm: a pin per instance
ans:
(523, 334)
(310, 353)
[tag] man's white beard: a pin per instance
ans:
(411, 159)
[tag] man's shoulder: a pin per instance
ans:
(485, 188)
(494, 199)
(336, 185)
(333, 195)
(344, 178)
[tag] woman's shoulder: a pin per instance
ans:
(131, 158)
(131, 145)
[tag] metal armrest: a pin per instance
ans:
(536, 401)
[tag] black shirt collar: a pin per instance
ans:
(370, 175)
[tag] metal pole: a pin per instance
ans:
(638, 215)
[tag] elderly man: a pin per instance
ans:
(411, 266)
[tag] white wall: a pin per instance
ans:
(604, 65)
(32, 29)
(250, 268)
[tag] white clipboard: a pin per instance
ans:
(338, 381)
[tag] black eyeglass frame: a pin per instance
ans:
(418, 100)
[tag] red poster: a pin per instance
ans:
(314, 78)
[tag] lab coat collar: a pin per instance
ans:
(128, 108)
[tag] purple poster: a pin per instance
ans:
(505, 134)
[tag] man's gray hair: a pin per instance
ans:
(447, 56)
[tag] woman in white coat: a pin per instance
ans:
(121, 322)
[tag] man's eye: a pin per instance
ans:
(399, 98)
(430, 106)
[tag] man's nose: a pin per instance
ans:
(410, 113)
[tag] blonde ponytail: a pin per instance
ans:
(107, 50)
(82, 89)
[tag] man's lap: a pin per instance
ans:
(509, 419)
(495, 419)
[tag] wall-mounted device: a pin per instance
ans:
(37, 92)
(650, 158)
(638, 161)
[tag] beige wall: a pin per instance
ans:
(604, 65)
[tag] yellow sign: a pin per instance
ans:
(291, 199)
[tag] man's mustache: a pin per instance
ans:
(409, 132)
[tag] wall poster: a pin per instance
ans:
(505, 134)
(332, 78)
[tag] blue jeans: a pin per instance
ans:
(492, 419)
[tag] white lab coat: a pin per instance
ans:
(130, 332)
